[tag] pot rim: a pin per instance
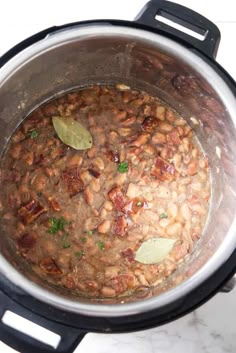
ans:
(191, 58)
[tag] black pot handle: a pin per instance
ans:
(185, 17)
(70, 337)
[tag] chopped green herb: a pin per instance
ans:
(139, 203)
(33, 134)
(66, 245)
(163, 215)
(57, 224)
(64, 237)
(84, 239)
(123, 167)
(90, 232)
(39, 193)
(79, 254)
(101, 245)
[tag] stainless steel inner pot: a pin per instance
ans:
(104, 54)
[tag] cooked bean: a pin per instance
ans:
(89, 197)
(158, 138)
(16, 150)
(75, 160)
(78, 217)
(165, 127)
(108, 205)
(164, 222)
(174, 229)
(128, 121)
(185, 212)
(95, 185)
(160, 112)
(104, 227)
(108, 292)
(124, 131)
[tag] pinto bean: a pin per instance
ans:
(16, 151)
(40, 182)
(160, 112)
(75, 160)
(28, 158)
(108, 205)
(164, 222)
(141, 140)
(170, 115)
(108, 292)
(89, 197)
(149, 149)
(92, 152)
(158, 138)
(174, 229)
(95, 185)
(185, 212)
(128, 121)
(172, 210)
(124, 131)
(98, 163)
(193, 167)
(165, 126)
(104, 227)
(133, 190)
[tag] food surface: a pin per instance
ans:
(105, 191)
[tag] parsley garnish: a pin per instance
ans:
(84, 239)
(101, 245)
(33, 134)
(163, 215)
(64, 237)
(90, 232)
(57, 224)
(123, 167)
(139, 203)
(79, 254)
(66, 245)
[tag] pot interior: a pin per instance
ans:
(104, 54)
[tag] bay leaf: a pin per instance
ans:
(154, 250)
(72, 133)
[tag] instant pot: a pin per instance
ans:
(150, 55)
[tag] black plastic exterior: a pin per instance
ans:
(72, 327)
(185, 17)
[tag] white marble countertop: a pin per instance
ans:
(211, 328)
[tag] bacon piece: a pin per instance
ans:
(149, 124)
(39, 159)
(163, 170)
(26, 242)
(128, 254)
(174, 137)
(73, 181)
(31, 211)
(117, 197)
(49, 266)
(119, 226)
(53, 203)
(95, 173)
(113, 156)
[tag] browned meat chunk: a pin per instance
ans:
(163, 170)
(49, 266)
(117, 197)
(31, 211)
(119, 226)
(73, 181)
